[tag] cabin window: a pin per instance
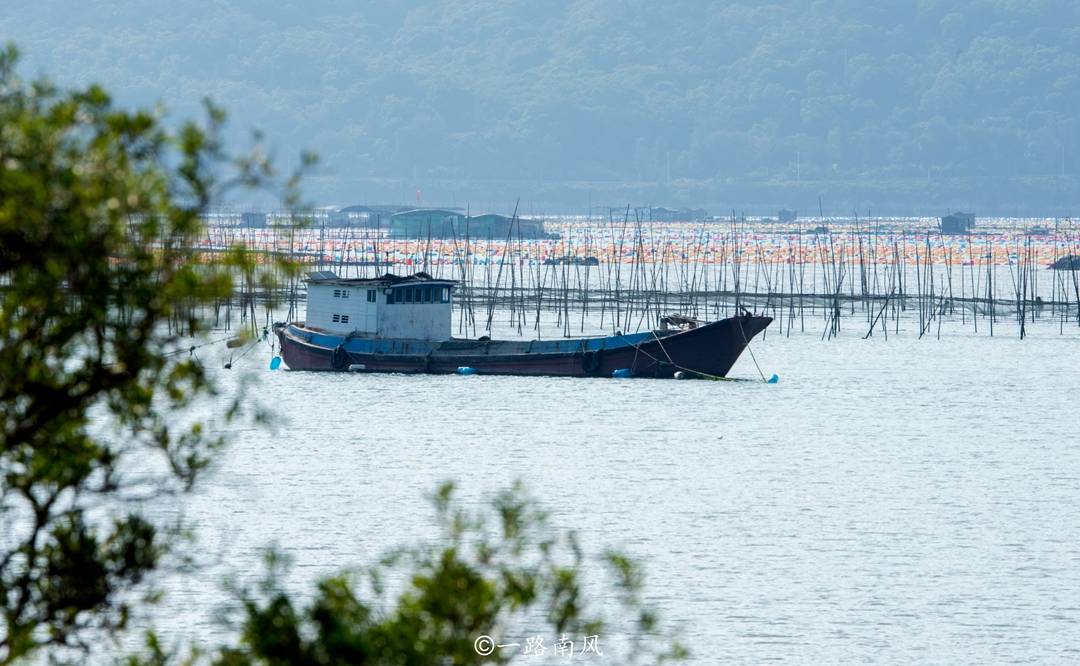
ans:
(427, 294)
(445, 297)
(408, 295)
(337, 318)
(344, 319)
(370, 295)
(390, 296)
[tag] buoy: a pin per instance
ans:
(466, 370)
(680, 375)
(622, 373)
(774, 379)
(357, 367)
(275, 363)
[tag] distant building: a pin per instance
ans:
(363, 216)
(444, 224)
(499, 226)
(957, 223)
(662, 214)
(385, 211)
(427, 223)
(253, 220)
(786, 215)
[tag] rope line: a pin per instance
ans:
(754, 358)
(637, 348)
(671, 362)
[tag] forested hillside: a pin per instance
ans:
(902, 105)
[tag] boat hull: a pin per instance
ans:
(710, 349)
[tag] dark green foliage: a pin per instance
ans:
(99, 208)
(517, 578)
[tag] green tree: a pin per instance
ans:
(495, 577)
(99, 211)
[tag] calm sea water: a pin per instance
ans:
(899, 501)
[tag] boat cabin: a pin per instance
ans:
(412, 307)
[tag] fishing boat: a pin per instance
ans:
(403, 324)
(1070, 262)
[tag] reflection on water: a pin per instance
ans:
(902, 500)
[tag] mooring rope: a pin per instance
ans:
(671, 362)
(637, 348)
(191, 349)
(251, 346)
(749, 349)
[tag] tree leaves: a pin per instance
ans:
(517, 577)
(100, 211)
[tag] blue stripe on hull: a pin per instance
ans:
(374, 346)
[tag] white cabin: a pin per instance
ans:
(413, 307)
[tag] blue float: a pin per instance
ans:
(275, 363)
(774, 379)
(622, 373)
(466, 370)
